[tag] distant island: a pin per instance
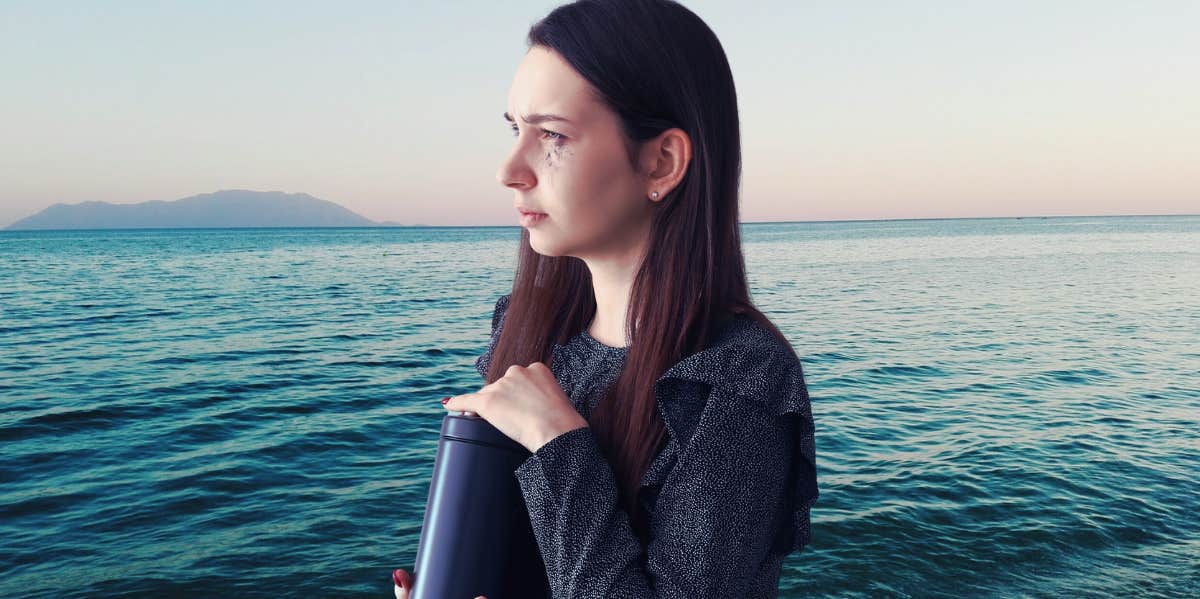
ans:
(220, 209)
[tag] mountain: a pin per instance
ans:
(225, 208)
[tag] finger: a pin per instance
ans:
(544, 372)
(462, 403)
(401, 582)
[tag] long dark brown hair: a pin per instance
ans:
(656, 65)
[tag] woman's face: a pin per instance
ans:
(576, 170)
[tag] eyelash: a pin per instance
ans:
(556, 137)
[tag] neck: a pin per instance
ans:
(612, 281)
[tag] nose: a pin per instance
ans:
(514, 172)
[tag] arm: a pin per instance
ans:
(717, 513)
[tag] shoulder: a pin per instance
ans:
(484, 361)
(499, 309)
(748, 360)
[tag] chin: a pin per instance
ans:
(545, 252)
(541, 247)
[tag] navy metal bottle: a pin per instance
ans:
(476, 538)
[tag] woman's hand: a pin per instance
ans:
(402, 584)
(526, 404)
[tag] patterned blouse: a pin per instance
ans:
(728, 497)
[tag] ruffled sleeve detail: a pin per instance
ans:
(775, 380)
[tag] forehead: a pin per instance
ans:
(546, 83)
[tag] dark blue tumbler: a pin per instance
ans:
(476, 538)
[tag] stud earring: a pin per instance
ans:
(654, 194)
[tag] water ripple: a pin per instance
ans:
(1004, 407)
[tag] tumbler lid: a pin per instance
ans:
(474, 429)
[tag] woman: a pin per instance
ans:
(671, 432)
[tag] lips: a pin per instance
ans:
(524, 211)
(531, 219)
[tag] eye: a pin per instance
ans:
(552, 135)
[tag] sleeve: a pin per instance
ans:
(485, 360)
(717, 515)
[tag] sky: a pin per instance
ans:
(849, 110)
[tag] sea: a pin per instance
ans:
(1003, 407)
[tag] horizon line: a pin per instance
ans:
(781, 222)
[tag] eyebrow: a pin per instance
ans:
(536, 118)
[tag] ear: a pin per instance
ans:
(665, 160)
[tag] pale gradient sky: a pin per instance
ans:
(849, 110)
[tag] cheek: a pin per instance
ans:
(591, 184)
(587, 172)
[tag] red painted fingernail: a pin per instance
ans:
(444, 400)
(396, 578)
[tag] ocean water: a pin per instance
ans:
(1003, 407)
